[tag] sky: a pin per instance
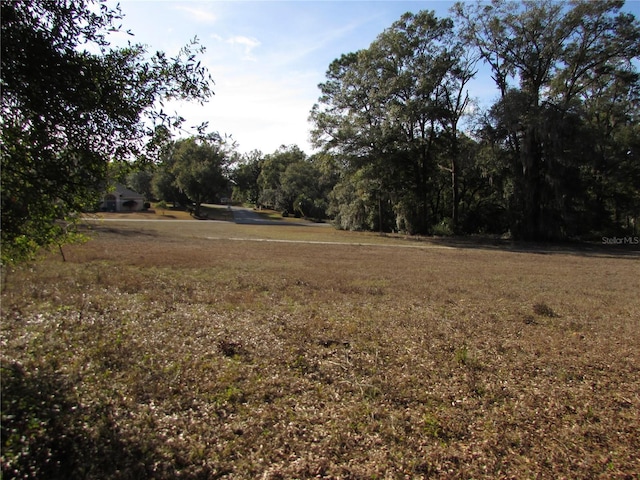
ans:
(268, 57)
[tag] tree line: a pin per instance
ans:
(556, 156)
(207, 168)
(403, 146)
(401, 143)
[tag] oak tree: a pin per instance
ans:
(200, 167)
(70, 104)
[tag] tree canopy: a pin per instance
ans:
(66, 111)
(200, 168)
(385, 111)
(551, 61)
(556, 156)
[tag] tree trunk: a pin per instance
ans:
(455, 194)
(455, 198)
(531, 157)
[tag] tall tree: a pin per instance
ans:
(348, 125)
(384, 110)
(415, 61)
(65, 111)
(610, 110)
(544, 56)
(456, 100)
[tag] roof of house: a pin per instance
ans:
(122, 191)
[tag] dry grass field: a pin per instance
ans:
(207, 350)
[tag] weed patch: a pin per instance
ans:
(544, 310)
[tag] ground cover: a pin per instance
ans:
(214, 350)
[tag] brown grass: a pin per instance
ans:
(211, 212)
(212, 350)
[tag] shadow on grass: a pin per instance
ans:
(247, 216)
(45, 434)
(219, 213)
(89, 229)
(587, 249)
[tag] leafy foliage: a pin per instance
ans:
(200, 168)
(67, 111)
(291, 182)
(552, 158)
(245, 176)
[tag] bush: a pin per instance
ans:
(444, 228)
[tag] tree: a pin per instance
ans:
(545, 57)
(245, 177)
(300, 190)
(65, 111)
(270, 178)
(611, 146)
(164, 185)
(385, 109)
(456, 100)
(140, 181)
(200, 168)
(289, 181)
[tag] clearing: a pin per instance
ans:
(216, 350)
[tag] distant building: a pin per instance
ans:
(121, 199)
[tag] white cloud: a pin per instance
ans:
(248, 43)
(197, 14)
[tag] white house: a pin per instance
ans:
(121, 199)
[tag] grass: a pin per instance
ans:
(213, 350)
(207, 212)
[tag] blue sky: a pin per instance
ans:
(267, 57)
